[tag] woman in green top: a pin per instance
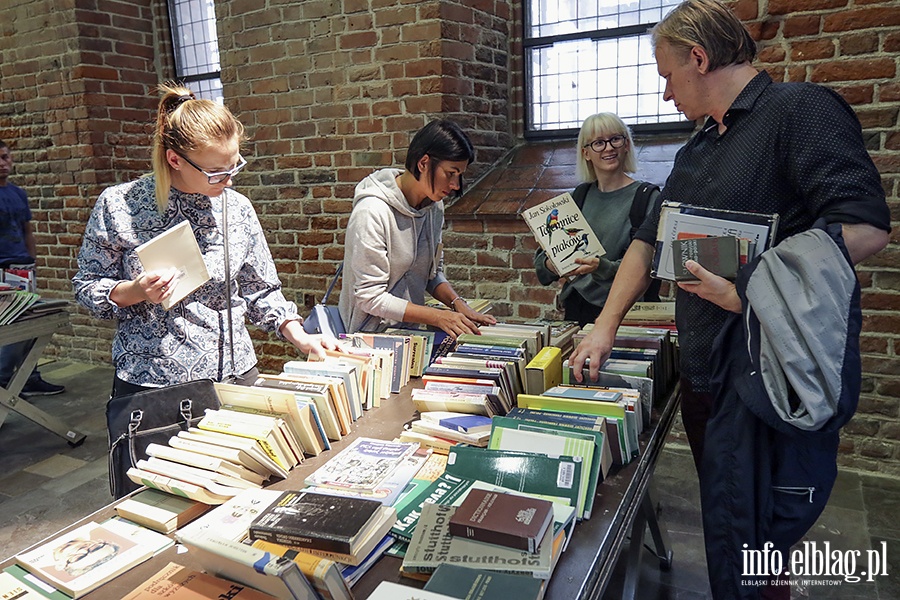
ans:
(606, 197)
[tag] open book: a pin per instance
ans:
(563, 233)
(175, 248)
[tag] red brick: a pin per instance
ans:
(783, 7)
(812, 49)
(863, 18)
(851, 70)
(802, 25)
(857, 94)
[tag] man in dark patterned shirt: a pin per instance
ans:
(795, 149)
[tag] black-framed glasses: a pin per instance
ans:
(220, 176)
(599, 145)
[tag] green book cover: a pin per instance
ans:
(552, 443)
(593, 439)
(523, 471)
(612, 427)
(475, 584)
(445, 489)
(35, 585)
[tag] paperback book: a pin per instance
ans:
(362, 465)
(80, 561)
(562, 231)
(175, 582)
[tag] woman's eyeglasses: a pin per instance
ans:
(221, 176)
(599, 145)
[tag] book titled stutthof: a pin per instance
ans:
(504, 519)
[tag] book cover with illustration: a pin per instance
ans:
(563, 233)
(85, 558)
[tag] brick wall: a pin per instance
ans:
(75, 102)
(331, 90)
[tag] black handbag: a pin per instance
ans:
(134, 421)
(323, 318)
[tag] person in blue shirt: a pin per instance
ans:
(17, 248)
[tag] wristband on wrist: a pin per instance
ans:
(452, 303)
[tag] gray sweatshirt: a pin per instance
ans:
(392, 253)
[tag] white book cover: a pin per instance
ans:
(176, 248)
(85, 558)
(563, 233)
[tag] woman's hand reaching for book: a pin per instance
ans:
(308, 343)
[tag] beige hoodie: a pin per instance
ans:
(392, 254)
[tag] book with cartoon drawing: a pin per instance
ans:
(563, 233)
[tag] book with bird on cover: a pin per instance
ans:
(563, 233)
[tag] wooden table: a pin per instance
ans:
(40, 329)
(623, 507)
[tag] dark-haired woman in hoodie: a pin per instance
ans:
(392, 251)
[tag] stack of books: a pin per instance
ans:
(14, 302)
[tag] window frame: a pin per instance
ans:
(214, 76)
(528, 43)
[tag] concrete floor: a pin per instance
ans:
(45, 485)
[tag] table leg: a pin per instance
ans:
(10, 399)
(645, 517)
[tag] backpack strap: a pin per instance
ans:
(580, 193)
(639, 205)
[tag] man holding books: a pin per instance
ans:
(17, 248)
(795, 149)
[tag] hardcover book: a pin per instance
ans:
(336, 524)
(549, 476)
(175, 582)
(79, 561)
(509, 520)
(677, 219)
(433, 544)
(563, 233)
(464, 423)
(717, 254)
(474, 584)
(34, 584)
(445, 489)
(554, 443)
(160, 511)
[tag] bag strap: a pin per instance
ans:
(333, 283)
(233, 375)
(639, 205)
(580, 193)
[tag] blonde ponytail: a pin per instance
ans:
(185, 124)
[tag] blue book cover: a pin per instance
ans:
(467, 423)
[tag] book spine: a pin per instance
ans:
(297, 539)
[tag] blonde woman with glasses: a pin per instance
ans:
(196, 156)
(613, 203)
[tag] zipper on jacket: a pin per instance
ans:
(796, 490)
